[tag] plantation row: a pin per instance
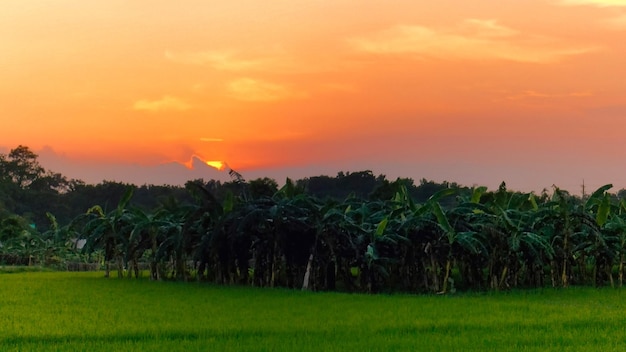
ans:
(486, 240)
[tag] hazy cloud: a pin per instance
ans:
(167, 103)
(249, 89)
(473, 39)
(536, 94)
(340, 87)
(598, 3)
(219, 60)
(618, 23)
(210, 139)
(487, 28)
(275, 60)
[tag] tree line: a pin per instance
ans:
(380, 236)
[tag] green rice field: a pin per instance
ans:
(53, 311)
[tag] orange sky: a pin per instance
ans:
(530, 92)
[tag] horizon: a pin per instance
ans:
(530, 93)
(177, 174)
(199, 169)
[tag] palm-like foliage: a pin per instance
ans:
(481, 239)
(58, 242)
(19, 243)
(109, 232)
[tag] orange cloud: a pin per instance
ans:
(487, 28)
(248, 89)
(340, 87)
(536, 94)
(473, 39)
(219, 60)
(618, 23)
(167, 103)
(272, 60)
(598, 3)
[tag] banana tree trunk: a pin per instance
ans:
(621, 270)
(564, 276)
(425, 273)
(610, 275)
(582, 268)
(553, 272)
(120, 267)
(135, 267)
(503, 276)
(435, 272)
(107, 268)
(446, 276)
(180, 268)
(154, 270)
(307, 274)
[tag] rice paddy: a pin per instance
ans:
(59, 311)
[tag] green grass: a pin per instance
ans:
(10, 269)
(43, 311)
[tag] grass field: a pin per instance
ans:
(51, 311)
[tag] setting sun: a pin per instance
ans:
(216, 164)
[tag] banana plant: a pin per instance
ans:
(108, 232)
(451, 239)
(600, 241)
(616, 224)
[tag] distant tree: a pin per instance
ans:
(21, 166)
(262, 187)
(150, 197)
(320, 186)
(27, 189)
(359, 184)
(387, 190)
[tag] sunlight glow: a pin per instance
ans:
(216, 164)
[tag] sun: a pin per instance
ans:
(216, 164)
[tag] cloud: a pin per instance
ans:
(618, 23)
(598, 3)
(615, 23)
(249, 89)
(536, 94)
(340, 87)
(473, 39)
(219, 60)
(167, 103)
(487, 28)
(274, 60)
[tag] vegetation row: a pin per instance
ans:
(252, 233)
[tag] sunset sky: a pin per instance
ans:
(529, 92)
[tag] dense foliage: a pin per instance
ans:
(252, 233)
